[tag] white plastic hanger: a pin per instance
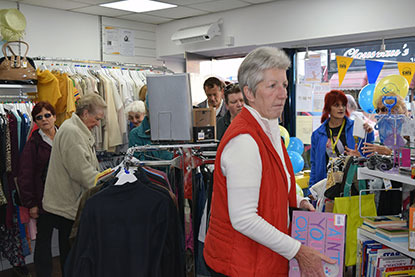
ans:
(126, 175)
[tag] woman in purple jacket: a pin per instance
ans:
(34, 163)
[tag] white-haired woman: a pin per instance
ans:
(136, 112)
(254, 182)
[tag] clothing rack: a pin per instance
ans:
(130, 151)
(190, 160)
(190, 156)
(17, 92)
(104, 64)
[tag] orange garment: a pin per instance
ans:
(47, 87)
(60, 107)
(228, 251)
(70, 101)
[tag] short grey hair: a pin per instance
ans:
(351, 103)
(251, 70)
(137, 106)
(91, 103)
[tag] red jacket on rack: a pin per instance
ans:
(228, 251)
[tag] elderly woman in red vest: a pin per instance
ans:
(254, 182)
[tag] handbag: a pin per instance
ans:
(349, 205)
(17, 69)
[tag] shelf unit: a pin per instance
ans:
(401, 246)
(364, 173)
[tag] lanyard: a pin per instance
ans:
(333, 145)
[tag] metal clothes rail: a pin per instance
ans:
(191, 158)
(105, 64)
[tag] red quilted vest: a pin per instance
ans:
(226, 250)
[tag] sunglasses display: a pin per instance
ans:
(40, 117)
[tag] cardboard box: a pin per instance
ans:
(203, 117)
(204, 124)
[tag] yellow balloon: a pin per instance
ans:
(285, 135)
(299, 190)
(392, 83)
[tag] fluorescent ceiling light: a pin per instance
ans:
(138, 6)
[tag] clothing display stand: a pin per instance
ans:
(14, 97)
(188, 157)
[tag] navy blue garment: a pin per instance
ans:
(128, 230)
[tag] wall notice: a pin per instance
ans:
(118, 41)
(304, 128)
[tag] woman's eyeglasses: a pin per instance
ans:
(40, 117)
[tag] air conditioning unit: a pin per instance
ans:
(196, 33)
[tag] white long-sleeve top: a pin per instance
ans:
(242, 167)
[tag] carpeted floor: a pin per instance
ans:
(56, 270)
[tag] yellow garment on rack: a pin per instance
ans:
(47, 87)
(102, 174)
(76, 94)
(70, 101)
(62, 102)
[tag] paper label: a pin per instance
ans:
(387, 183)
(201, 135)
(339, 220)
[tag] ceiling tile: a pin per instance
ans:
(145, 18)
(94, 2)
(102, 11)
(222, 5)
(176, 13)
(184, 2)
(55, 4)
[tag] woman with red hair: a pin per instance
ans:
(333, 136)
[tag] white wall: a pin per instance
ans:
(296, 23)
(55, 33)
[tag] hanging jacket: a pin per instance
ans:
(318, 149)
(128, 230)
(228, 251)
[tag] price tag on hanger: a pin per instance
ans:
(387, 183)
(201, 135)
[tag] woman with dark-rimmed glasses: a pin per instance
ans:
(34, 162)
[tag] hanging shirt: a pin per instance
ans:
(47, 87)
(61, 104)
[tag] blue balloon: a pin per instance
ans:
(366, 98)
(296, 145)
(296, 160)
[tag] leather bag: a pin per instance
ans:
(16, 69)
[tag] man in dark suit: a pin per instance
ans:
(214, 89)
